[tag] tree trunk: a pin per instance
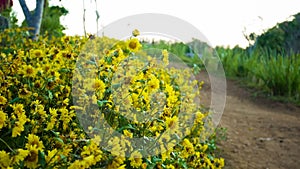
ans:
(34, 19)
(4, 23)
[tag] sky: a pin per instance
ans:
(223, 22)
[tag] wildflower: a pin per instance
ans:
(99, 85)
(3, 118)
(188, 148)
(3, 100)
(31, 161)
(220, 163)
(199, 117)
(153, 84)
(53, 113)
(170, 166)
(172, 122)
(133, 45)
(4, 159)
(122, 167)
(65, 117)
(18, 128)
(22, 119)
(38, 84)
(135, 33)
(117, 163)
(165, 55)
(18, 109)
(34, 140)
(22, 154)
(28, 71)
(37, 53)
(136, 159)
(128, 133)
(52, 156)
(24, 92)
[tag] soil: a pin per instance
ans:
(261, 133)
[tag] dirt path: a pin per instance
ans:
(261, 134)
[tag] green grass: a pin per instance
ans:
(276, 75)
(272, 74)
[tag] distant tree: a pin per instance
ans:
(50, 23)
(4, 24)
(4, 21)
(34, 19)
(282, 38)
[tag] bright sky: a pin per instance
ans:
(221, 21)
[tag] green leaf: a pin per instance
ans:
(59, 140)
(41, 159)
(50, 95)
(182, 163)
(126, 127)
(14, 100)
(155, 159)
(55, 133)
(64, 70)
(101, 102)
(117, 85)
(63, 157)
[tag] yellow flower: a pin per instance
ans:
(135, 33)
(136, 159)
(22, 154)
(172, 122)
(18, 109)
(122, 167)
(19, 125)
(199, 117)
(170, 166)
(4, 159)
(31, 161)
(24, 92)
(3, 118)
(3, 100)
(153, 84)
(34, 140)
(165, 57)
(220, 162)
(204, 147)
(97, 84)
(18, 128)
(52, 156)
(65, 117)
(37, 53)
(28, 71)
(53, 113)
(133, 45)
(117, 163)
(128, 133)
(89, 161)
(188, 148)
(22, 119)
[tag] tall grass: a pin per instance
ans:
(276, 74)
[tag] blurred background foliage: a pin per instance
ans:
(50, 25)
(271, 65)
(282, 38)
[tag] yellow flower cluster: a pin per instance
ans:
(62, 100)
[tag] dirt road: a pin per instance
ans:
(261, 133)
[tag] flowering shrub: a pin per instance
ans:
(62, 106)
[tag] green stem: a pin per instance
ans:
(7, 145)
